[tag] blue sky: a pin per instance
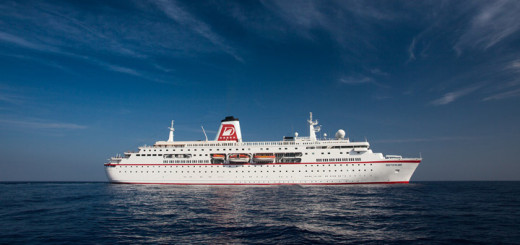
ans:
(83, 80)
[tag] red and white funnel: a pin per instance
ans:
(229, 130)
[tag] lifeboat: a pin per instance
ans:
(218, 157)
(239, 158)
(264, 157)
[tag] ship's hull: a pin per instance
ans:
(310, 173)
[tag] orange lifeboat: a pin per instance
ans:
(239, 158)
(264, 157)
(218, 157)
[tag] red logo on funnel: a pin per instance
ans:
(228, 132)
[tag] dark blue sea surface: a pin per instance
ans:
(417, 213)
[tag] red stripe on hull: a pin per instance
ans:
(347, 183)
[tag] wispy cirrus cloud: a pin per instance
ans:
(130, 71)
(42, 61)
(125, 70)
(11, 99)
(514, 66)
(356, 80)
(454, 95)
(494, 22)
(504, 95)
(109, 37)
(479, 25)
(184, 18)
(411, 50)
(359, 80)
(378, 72)
(21, 42)
(348, 24)
(38, 124)
(8, 95)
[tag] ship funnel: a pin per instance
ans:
(229, 130)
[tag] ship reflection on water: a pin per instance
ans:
(245, 214)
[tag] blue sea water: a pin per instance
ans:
(416, 213)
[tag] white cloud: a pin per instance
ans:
(102, 37)
(504, 95)
(452, 96)
(15, 40)
(377, 71)
(411, 48)
(42, 125)
(18, 41)
(495, 21)
(11, 99)
(125, 70)
(356, 80)
(348, 23)
(184, 18)
(515, 66)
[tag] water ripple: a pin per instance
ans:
(101, 213)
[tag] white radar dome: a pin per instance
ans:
(340, 134)
(295, 134)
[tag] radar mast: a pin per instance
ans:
(312, 130)
(170, 139)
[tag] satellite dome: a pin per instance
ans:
(295, 134)
(340, 134)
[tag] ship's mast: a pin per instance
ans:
(170, 139)
(312, 130)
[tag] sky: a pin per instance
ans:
(81, 81)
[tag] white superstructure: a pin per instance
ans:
(229, 161)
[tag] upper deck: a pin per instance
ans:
(344, 142)
(228, 143)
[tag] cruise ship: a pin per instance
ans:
(228, 160)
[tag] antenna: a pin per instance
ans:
(204, 132)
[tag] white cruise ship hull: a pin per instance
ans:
(330, 173)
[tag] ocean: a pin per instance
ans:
(415, 213)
